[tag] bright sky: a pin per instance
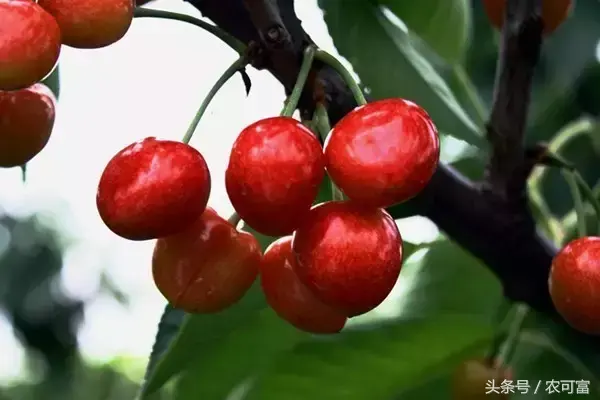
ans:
(148, 84)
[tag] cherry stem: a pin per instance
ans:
(234, 219)
(590, 196)
(321, 120)
(231, 41)
(470, 92)
(24, 173)
(577, 200)
(566, 135)
(292, 101)
(510, 344)
(503, 311)
(333, 62)
(229, 72)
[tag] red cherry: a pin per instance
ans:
(274, 172)
(575, 284)
(348, 256)
(208, 267)
(91, 24)
(29, 44)
(383, 153)
(289, 298)
(153, 188)
(554, 13)
(26, 122)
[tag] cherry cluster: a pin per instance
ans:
(31, 36)
(332, 261)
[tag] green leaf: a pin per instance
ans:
(53, 81)
(237, 356)
(387, 63)
(444, 25)
(448, 280)
(370, 363)
(200, 332)
(168, 327)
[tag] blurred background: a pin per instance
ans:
(77, 303)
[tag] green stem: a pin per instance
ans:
(510, 344)
(234, 219)
(569, 221)
(470, 92)
(577, 200)
(229, 72)
(24, 173)
(333, 62)
(567, 134)
(590, 197)
(323, 126)
(231, 41)
(292, 101)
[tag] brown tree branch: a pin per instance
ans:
(484, 224)
(519, 53)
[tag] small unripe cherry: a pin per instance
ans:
(472, 379)
(348, 256)
(554, 12)
(207, 267)
(383, 153)
(289, 298)
(273, 176)
(29, 44)
(91, 24)
(575, 284)
(26, 122)
(153, 188)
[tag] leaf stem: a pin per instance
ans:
(566, 135)
(229, 72)
(333, 62)
(231, 41)
(590, 196)
(470, 92)
(577, 200)
(512, 338)
(323, 126)
(292, 101)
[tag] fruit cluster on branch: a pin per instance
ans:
(482, 221)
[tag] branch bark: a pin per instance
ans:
(482, 221)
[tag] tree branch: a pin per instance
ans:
(484, 225)
(519, 53)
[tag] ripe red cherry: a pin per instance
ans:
(383, 153)
(289, 298)
(575, 284)
(208, 267)
(153, 188)
(91, 24)
(474, 378)
(348, 256)
(26, 122)
(29, 44)
(274, 172)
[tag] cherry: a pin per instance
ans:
(348, 256)
(91, 24)
(289, 298)
(273, 176)
(26, 122)
(474, 378)
(207, 267)
(554, 12)
(575, 284)
(383, 153)
(153, 188)
(29, 44)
